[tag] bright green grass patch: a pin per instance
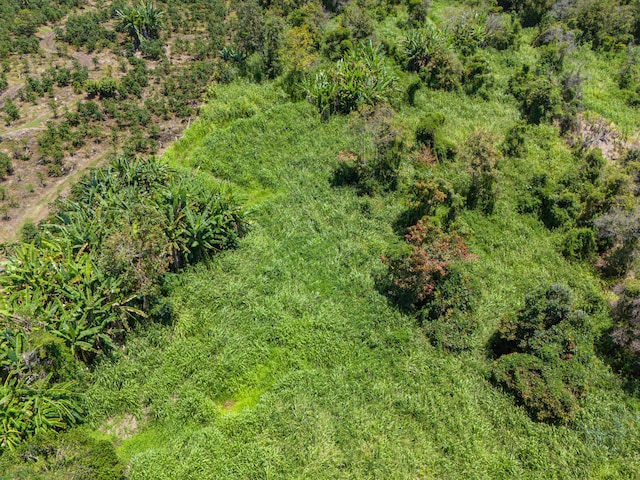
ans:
(601, 93)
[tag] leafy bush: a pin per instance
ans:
(619, 233)
(580, 244)
(503, 31)
(478, 77)
(336, 43)
(538, 386)
(375, 165)
(444, 70)
(428, 128)
(447, 319)
(357, 19)
(514, 144)
(468, 32)
(11, 109)
(545, 352)
(85, 30)
(416, 276)
(74, 454)
(360, 78)
(6, 167)
(539, 96)
(4, 84)
(604, 31)
(554, 208)
(106, 87)
(418, 10)
(530, 12)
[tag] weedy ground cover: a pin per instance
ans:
(286, 361)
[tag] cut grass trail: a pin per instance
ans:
(285, 362)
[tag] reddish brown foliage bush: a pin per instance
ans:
(433, 252)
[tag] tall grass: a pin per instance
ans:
(284, 360)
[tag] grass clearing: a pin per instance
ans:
(285, 362)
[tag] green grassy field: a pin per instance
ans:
(285, 361)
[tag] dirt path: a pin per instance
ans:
(48, 44)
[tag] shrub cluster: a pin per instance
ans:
(544, 355)
(359, 78)
(428, 280)
(375, 163)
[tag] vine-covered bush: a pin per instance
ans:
(428, 280)
(545, 352)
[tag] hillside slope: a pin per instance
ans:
(286, 362)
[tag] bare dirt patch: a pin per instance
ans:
(597, 132)
(122, 428)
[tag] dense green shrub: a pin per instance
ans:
(86, 31)
(503, 31)
(375, 163)
(447, 319)
(75, 454)
(106, 87)
(468, 32)
(545, 352)
(6, 167)
(360, 78)
(539, 96)
(11, 110)
(444, 70)
(478, 77)
(514, 144)
(357, 20)
(4, 84)
(554, 207)
(426, 194)
(530, 12)
(580, 244)
(428, 128)
(619, 236)
(336, 43)
(152, 49)
(538, 386)
(418, 10)
(604, 31)
(79, 76)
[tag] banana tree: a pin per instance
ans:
(142, 22)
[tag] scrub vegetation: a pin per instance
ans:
(399, 241)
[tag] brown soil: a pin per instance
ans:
(596, 132)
